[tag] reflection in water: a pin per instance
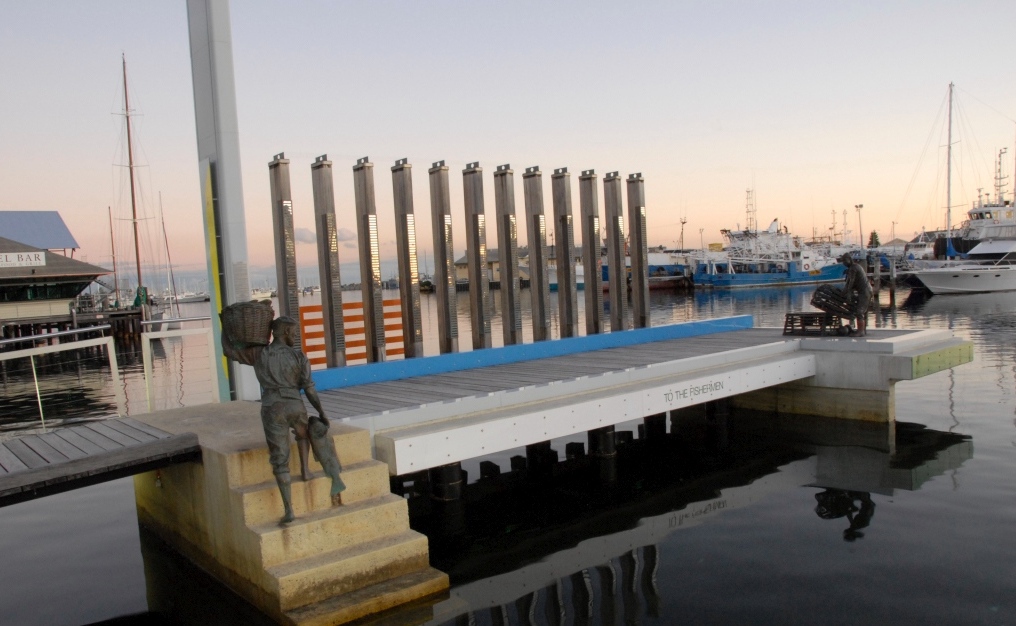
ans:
(856, 506)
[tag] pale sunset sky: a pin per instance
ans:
(819, 106)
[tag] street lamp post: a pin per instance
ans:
(702, 241)
(859, 227)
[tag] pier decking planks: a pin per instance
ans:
(68, 458)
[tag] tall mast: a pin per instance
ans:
(112, 245)
(948, 176)
(130, 169)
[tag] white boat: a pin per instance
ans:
(580, 277)
(988, 268)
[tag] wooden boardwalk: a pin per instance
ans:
(68, 458)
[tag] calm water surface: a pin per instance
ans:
(739, 519)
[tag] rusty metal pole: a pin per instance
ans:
(589, 203)
(508, 254)
(536, 225)
(328, 261)
(617, 271)
(564, 246)
(444, 259)
(476, 255)
(285, 238)
(405, 244)
(370, 262)
(638, 250)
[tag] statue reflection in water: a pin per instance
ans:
(856, 506)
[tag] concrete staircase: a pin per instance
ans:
(330, 566)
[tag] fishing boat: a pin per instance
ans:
(580, 277)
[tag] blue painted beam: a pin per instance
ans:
(339, 377)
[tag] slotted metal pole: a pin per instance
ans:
(617, 272)
(285, 239)
(536, 225)
(405, 244)
(638, 250)
(328, 261)
(38, 393)
(564, 245)
(589, 203)
(370, 261)
(476, 255)
(444, 259)
(508, 254)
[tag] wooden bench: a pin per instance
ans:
(812, 324)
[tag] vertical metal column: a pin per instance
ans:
(508, 254)
(617, 272)
(370, 262)
(638, 250)
(536, 225)
(589, 204)
(328, 261)
(476, 255)
(405, 244)
(285, 238)
(564, 244)
(444, 259)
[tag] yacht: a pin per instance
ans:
(989, 267)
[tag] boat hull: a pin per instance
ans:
(828, 274)
(946, 280)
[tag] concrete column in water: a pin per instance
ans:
(638, 250)
(589, 205)
(370, 262)
(444, 259)
(218, 143)
(285, 238)
(405, 243)
(328, 261)
(617, 272)
(536, 224)
(476, 255)
(564, 246)
(508, 254)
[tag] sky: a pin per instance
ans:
(817, 106)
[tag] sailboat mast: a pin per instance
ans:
(112, 245)
(169, 261)
(948, 174)
(130, 169)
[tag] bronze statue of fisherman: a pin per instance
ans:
(858, 292)
(283, 370)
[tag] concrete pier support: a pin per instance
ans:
(638, 250)
(476, 255)
(447, 482)
(285, 238)
(508, 251)
(370, 261)
(405, 244)
(589, 204)
(564, 244)
(444, 259)
(328, 261)
(602, 441)
(617, 271)
(536, 225)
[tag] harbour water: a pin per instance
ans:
(745, 519)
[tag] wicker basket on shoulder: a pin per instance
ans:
(248, 324)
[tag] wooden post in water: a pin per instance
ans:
(617, 272)
(444, 259)
(328, 261)
(370, 262)
(285, 239)
(508, 254)
(476, 255)
(536, 224)
(589, 205)
(564, 245)
(405, 244)
(638, 250)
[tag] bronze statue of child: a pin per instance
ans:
(283, 370)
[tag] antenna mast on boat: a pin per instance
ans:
(1000, 179)
(130, 170)
(948, 178)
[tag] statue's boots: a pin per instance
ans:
(287, 499)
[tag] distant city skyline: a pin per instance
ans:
(817, 107)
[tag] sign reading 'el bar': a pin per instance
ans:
(22, 259)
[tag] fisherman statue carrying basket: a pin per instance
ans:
(283, 371)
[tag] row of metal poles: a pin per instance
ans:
(621, 284)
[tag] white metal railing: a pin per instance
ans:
(31, 353)
(146, 350)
